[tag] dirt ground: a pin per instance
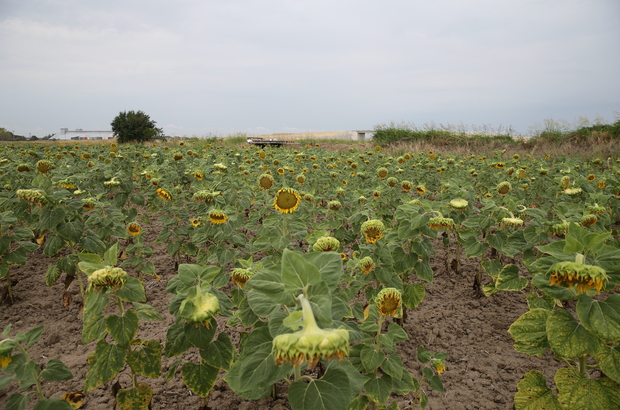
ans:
(483, 368)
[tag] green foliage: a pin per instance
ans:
(134, 126)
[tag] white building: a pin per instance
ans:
(80, 134)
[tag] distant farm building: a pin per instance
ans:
(80, 134)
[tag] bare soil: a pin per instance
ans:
(483, 368)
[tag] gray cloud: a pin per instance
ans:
(208, 66)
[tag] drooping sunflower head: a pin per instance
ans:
(585, 277)
(134, 228)
(596, 209)
(392, 182)
(89, 204)
(334, 205)
(163, 194)
(200, 309)
(6, 348)
(326, 244)
(241, 276)
(219, 167)
(512, 222)
(559, 228)
(44, 166)
(420, 189)
(23, 168)
(602, 184)
(217, 216)
(32, 196)
(367, 265)
(308, 197)
(362, 200)
(112, 183)
(287, 200)
(521, 174)
(389, 302)
(373, 230)
(459, 204)
(265, 181)
(205, 196)
(503, 188)
(588, 220)
(572, 191)
(107, 277)
(406, 186)
(439, 222)
(382, 172)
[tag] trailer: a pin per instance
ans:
(262, 142)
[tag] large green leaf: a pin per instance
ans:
(145, 358)
(123, 328)
(147, 312)
(262, 304)
(269, 282)
(413, 295)
(567, 337)
(297, 273)
(424, 271)
(371, 357)
(18, 401)
(71, 231)
(55, 371)
(403, 262)
(379, 388)
(220, 352)
(578, 392)
(608, 359)
(531, 328)
(533, 393)
(509, 279)
(103, 364)
(50, 218)
(200, 335)
(331, 392)
(200, 378)
(138, 398)
(176, 340)
(132, 291)
(329, 265)
(601, 318)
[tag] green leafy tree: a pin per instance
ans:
(134, 126)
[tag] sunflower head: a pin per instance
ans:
(44, 166)
(503, 188)
(596, 209)
(392, 182)
(420, 189)
(459, 204)
(32, 196)
(89, 204)
(134, 228)
(287, 200)
(199, 175)
(406, 186)
(220, 167)
(194, 221)
(373, 230)
(334, 205)
(367, 265)
(23, 168)
(240, 276)
(439, 222)
(389, 302)
(601, 184)
(107, 277)
(205, 196)
(578, 275)
(163, 194)
(217, 216)
(382, 172)
(521, 174)
(6, 348)
(439, 366)
(572, 191)
(326, 244)
(265, 181)
(112, 183)
(588, 220)
(512, 222)
(591, 177)
(565, 182)
(559, 228)
(200, 309)
(301, 178)
(362, 200)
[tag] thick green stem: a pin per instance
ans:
(297, 372)
(582, 365)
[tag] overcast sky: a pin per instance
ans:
(262, 66)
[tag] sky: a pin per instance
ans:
(205, 67)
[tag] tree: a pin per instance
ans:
(134, 126)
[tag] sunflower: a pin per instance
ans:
(265, 181)
(199, 175)
(406, 186)
(217, 216)
(326, 244)
(334, 205)
(301, 178)
(134, 228)
(287, 200)
(591, 177)
(23, 168)
(578, 273)
(588, 220)
(382, 173)
(373, 230)
(367, 265)
(441, 223)
(601, 184)
(389, 302)
(44, 166)
(392, 182)
(421, 189)
(503, 188)
(163, 194)
(241, 276)
(194, 221)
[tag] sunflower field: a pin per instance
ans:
(319, 256)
